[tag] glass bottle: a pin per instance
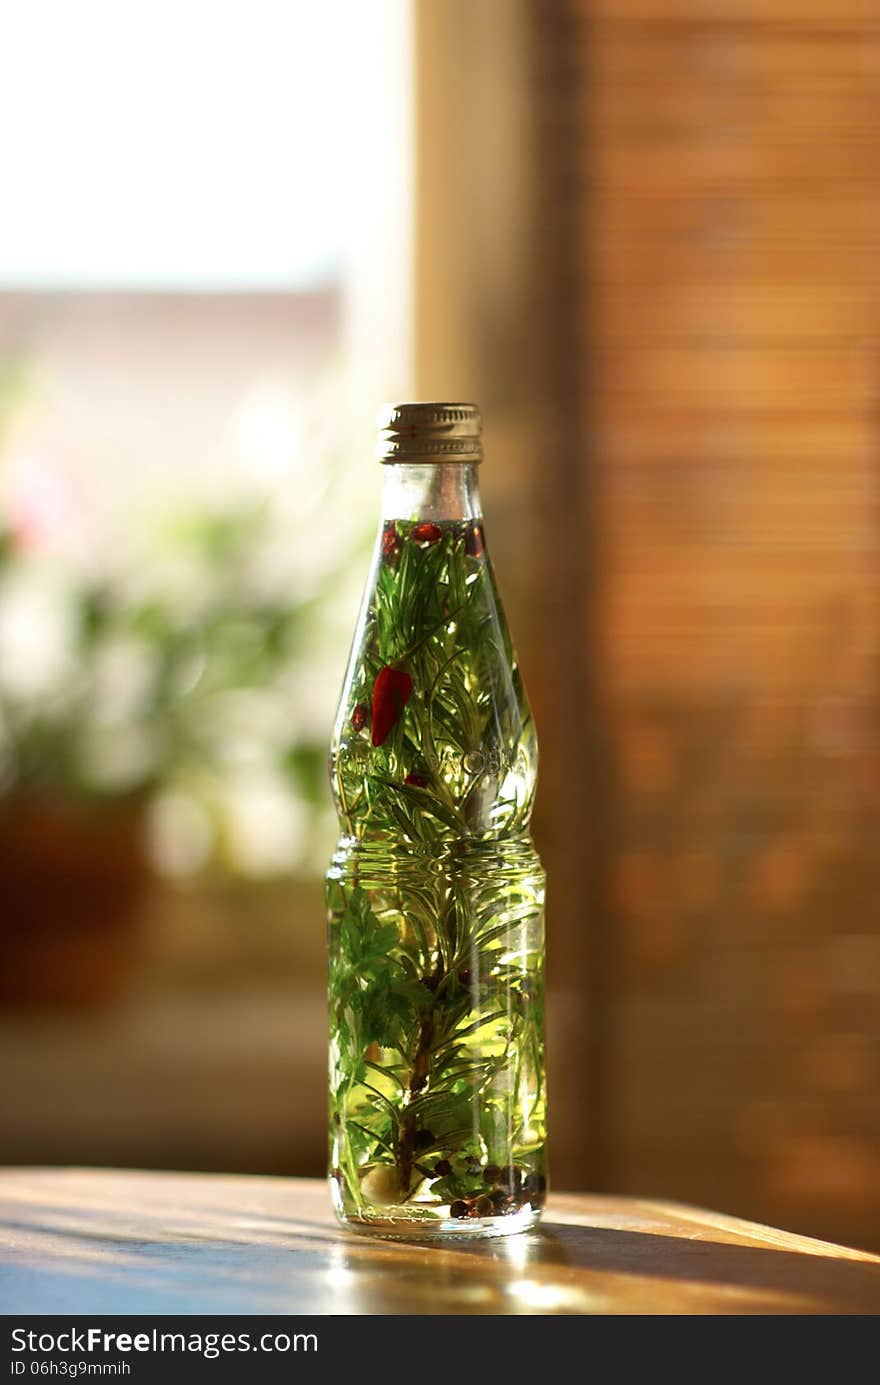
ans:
(435, 892)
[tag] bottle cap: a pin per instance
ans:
(429, 433)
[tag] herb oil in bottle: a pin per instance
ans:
(435, 892)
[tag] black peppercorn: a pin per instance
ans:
(513, 1178)
(491, 1173)
(442, 1168)
(484, 1207)
(459, 1209)
(422, 1139)
(465, 976)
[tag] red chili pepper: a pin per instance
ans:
(359, 717)
(390, 540)
(425, 533)
(391, 692)
(475, 542)
(418, 781)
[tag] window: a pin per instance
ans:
(204, 290)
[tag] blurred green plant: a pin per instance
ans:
(193, 683)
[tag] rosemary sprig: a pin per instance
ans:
(435, 907)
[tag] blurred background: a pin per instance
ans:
(643, 235)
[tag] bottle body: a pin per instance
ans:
(435, 892)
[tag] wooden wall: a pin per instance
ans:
(709, 291)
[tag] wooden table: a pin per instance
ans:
(96, 1241)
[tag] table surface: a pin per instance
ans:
(107, 1241)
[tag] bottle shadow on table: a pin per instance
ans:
(557, 1268)
(610, 1250)
(585, 1254)
(589, 1260)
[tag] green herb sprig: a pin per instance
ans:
(435, 896)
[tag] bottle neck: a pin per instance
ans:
(431, 491)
